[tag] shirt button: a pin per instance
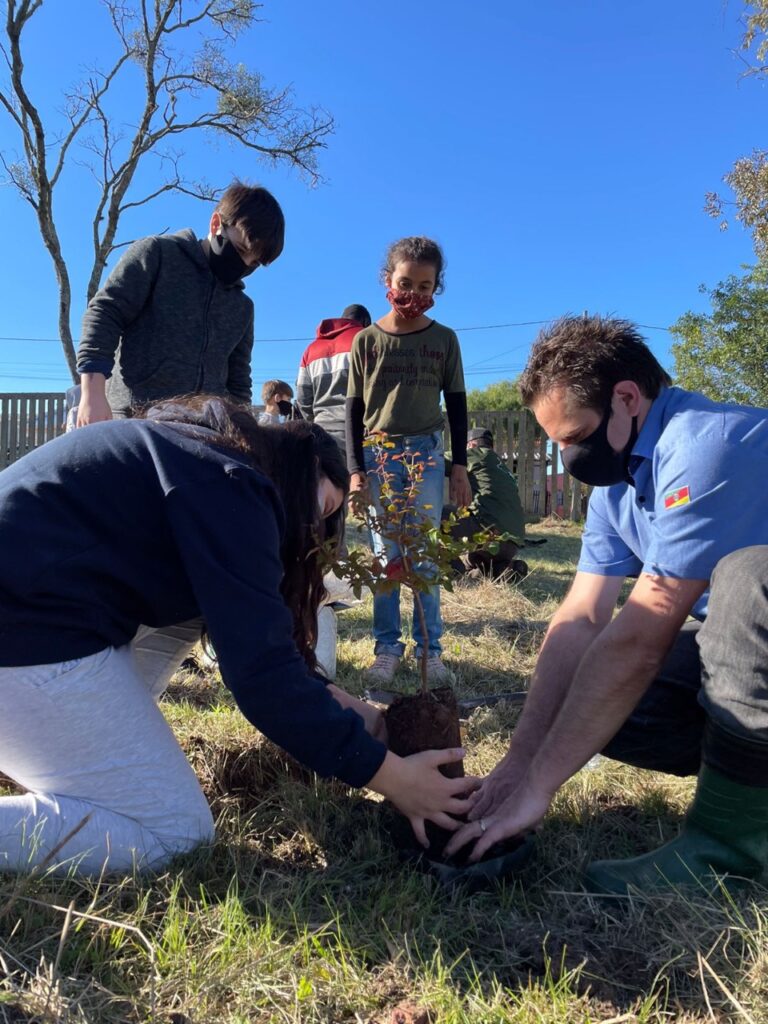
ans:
(641, 498)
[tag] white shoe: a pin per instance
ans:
(437, 670)
(383, 669)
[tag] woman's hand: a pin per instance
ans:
(420, 791)
(459, 487)
(358, 485)
(375, 723)
(520, 812)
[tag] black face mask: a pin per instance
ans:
(594, 462)
(226, 262)
(286, 409)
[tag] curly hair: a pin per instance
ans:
(416, 249)
(589, 355)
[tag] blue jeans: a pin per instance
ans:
(386, 607)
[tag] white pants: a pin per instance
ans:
(88, 742)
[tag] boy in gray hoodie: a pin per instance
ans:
(173, 318)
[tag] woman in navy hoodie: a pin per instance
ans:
(111, 537)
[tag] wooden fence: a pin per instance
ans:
(27, 421)
(545, 488)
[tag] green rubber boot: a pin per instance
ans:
(724, 833)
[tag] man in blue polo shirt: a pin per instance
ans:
(677, 681)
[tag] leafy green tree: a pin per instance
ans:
(501, 396)
(748, 178)
(188, 83)
(724, 354)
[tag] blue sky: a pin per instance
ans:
(559, 152)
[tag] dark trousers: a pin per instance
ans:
(709, 701)
(492, 565)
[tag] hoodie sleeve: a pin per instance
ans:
(305, 395)
(116, 305)
(239, 376)
(228, 540)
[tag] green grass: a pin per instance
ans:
(302, 912)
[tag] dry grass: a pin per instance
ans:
(301, 911)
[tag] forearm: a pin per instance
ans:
(117, 305)
(564, 646)
(239, 371)
(354, 413)
(611, 678)
(456, 408)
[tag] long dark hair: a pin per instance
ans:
(294, 456)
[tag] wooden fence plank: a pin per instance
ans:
(29, 420)
(554, 484)
(4, 423)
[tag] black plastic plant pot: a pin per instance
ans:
(503, 861)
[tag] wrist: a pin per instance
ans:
(541, 779)
(385, 781)
(93, 383)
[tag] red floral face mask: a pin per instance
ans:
(409, 305)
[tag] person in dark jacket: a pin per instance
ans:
(173, 317)
(495, 506)
(134, 528)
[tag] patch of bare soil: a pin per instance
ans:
(10, 1014)
(240, 774)
(199, 690)
(409, 1013)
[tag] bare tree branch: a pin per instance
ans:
(188, 86)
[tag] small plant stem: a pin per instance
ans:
(424, 642)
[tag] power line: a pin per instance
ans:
(459, 330)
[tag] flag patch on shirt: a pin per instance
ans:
(673, 499)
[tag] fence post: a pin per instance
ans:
(28, 420)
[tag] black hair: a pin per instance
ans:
(258, 215)
(416, 249)
(357, 313)
(589, 355)
(293, 455)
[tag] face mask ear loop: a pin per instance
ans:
(628, 450)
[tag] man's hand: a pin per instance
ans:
(419, 791)
(373, 718)
(93, 406)
(520, 812)
(505, 778)
(459, 488)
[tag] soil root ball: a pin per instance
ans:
(425, 721)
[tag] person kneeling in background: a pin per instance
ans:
(496, 506)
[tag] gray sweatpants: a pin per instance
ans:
(88, 742)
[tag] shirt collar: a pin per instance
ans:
(651, 430)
